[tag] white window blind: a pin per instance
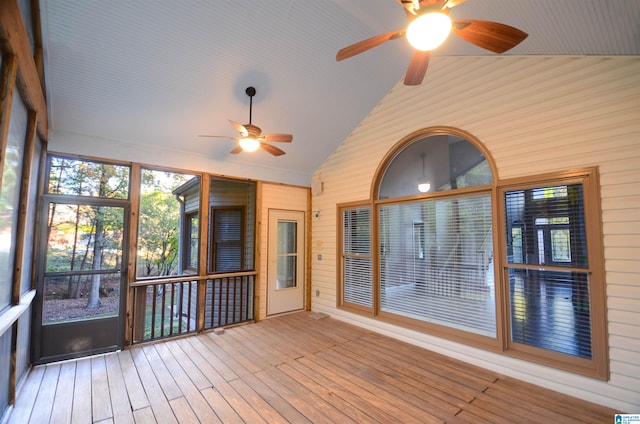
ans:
(356, 256)
(436, 262)
(549, 306)
(228, 239)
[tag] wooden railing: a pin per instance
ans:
(164, 308)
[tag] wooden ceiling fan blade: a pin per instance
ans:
(228, 137)
(272, 149)
(491, 36)
(417, 68)
(240, 128)
(453, 3)
(280, 138)
(236, 149)
(369, 43)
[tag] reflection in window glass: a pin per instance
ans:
(232, 233)
(165, 200)
(79, 177)
(10, 196)
(446, 162)
(287, 250)
(452, 285)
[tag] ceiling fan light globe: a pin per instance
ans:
(428, 31)
(249, 144)
(424, 187)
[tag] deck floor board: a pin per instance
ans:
(288, 369)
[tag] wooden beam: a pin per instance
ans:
(7, 83)
(13, 40)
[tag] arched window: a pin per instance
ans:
(445, 247)
(434, 220)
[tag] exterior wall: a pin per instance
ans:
(274, 196)
(534, 115)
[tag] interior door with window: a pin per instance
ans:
(286, 261)
(82, 278)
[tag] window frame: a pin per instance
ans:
(598, 366)
(188, 239)
(340, 298)
(213, 244)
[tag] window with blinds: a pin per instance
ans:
(549, 287)
(356, 256)
(436, 262)
(227, 239)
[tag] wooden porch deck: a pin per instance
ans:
(291, 369)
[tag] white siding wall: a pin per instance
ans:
(274, 196)
(534, 115)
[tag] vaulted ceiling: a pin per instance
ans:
(158, 73)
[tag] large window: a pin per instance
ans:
(231, 225)
(552, 270)
(515, 275)
(356, 257)
(169, 201)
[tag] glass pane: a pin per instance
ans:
(80, 297)
(30, 219)
(356, 232)
(357, 281)
(551, 310)
(287, 232)
(82, 238)
(442, 162)
(452, 283)
(10, 196)
(228, 239)
(79, 177)
(239, 196)
(286, 272)
(546, 225)
(166, 201)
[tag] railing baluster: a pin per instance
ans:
(154, 292)
(173, 301)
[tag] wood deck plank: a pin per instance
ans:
(144, 416)
(167, 383)
(27, 395)
(290, 368)
(346, 405)
(224, 411)
(183, 412)
(44, 400)
(101, 399)
(82, 402)
(155, 395)
(63, 401)
(312, 406)
(191, 393)
(120, 404)
(361, 388)
(135, 390)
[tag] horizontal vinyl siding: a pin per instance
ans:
(274, 196)
(533, 115)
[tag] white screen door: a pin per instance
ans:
(286, 261)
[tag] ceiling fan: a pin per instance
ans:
(429, 26)
(251, 137)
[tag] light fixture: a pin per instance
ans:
(424, 185)
(429, 30)
(249, 144)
